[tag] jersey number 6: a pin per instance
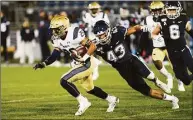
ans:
(174, 32)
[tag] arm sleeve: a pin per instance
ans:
(190, 32)
(188, 25)
(55, 54)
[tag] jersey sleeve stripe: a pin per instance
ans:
(75, 33)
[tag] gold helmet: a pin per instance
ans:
(59, 25)
(94, 8)
(156, 8)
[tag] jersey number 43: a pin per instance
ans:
(111, 55)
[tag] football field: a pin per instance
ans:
(29, 94)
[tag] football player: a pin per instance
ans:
(66, 39)
(112, 48)
(90, 18)
(159, 51)
(173, 25)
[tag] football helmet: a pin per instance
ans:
(124, 12)
(103, 31)
(94, 8)
(156, 8)
(59, 25)
(173, 9)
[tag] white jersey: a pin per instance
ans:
(151, 24)
(124, 23)
(73, 38)
(91, 20)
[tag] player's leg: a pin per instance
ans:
(88, 85)
(140, 85)
(180, 67)
(158, 56)
(29, 53)
(95, 70)
(188, 59)
(23, 53)
(180, 83)
(142, 69)
(75, 74)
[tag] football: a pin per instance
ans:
(81, 50)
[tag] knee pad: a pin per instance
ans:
(63, 82)
(151, 76)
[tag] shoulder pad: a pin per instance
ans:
(75, 32)
(121, 29)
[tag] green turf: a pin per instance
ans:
(29, 94)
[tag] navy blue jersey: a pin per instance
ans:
(117, 50)
(173, 31)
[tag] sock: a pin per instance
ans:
(179, 82)
(80, 98)
(109, 98)
(167, 97)
(164, 71)
(151, 76)
(98, 92)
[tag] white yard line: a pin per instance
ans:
(22, 100)
(149, 114)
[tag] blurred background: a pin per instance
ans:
(25, 35)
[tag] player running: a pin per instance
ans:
(112, 48)
(90, 18)
(159, 47)
(66, 39)
(173, 26)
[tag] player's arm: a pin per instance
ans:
(137, 28)
(91, 47)
(155, 33)
(52, 58)
(189, 28)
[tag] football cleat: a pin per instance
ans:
(112, 104)
(83, 107)
(162, 86)
(170, 81)
(175, 103)
(181, 86)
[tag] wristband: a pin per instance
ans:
(85, 57)
(155, 37)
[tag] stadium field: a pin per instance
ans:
(29, 94)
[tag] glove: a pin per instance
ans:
(40, 65)
(144, 28)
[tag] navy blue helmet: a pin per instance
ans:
(103, 31)
(173, 9)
